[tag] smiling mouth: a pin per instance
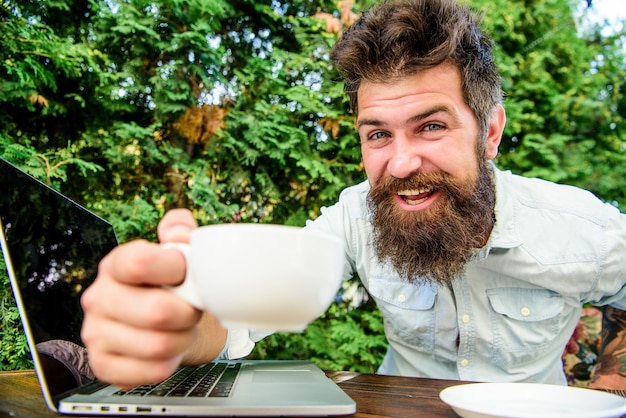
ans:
(415, 197)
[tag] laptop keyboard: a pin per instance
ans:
(211, 380)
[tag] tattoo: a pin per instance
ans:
(612, 359)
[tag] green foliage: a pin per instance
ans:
(565, 95)
(231, 109)
(14, 354)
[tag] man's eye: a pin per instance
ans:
(377, 136)
(376, 139)
(433, 127)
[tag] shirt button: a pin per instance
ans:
(464, 362)
(465, 319)
(402, 298)
(525, 311)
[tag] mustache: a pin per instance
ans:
(416, 181)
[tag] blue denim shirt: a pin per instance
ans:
(553, 248)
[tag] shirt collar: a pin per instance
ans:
(503, 234)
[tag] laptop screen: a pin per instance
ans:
(53, 246)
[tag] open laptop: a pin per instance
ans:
(52, 247)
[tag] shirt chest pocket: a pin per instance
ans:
(525, 319)
(408, 311)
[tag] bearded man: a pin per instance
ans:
(480, 274)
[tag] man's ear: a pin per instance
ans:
(494, 132)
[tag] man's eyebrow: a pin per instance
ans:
(413, 119)
(437, 109)
(371, 122)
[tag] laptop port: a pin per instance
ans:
(81, 408)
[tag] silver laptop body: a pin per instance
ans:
(52, 246)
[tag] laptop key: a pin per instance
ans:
(224, 386)
(91, 387)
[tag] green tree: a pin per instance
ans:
(14, 353)
(565, 95)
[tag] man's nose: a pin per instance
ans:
(405, 158)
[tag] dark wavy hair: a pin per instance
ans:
(402, 37)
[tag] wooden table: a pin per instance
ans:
(375, 395)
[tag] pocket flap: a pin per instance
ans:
(526, 305)
(402, 294)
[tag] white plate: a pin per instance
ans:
(531, 400)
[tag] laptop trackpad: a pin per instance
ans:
(283, 376)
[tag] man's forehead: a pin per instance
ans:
(443, 79)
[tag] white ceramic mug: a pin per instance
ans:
(261, 276)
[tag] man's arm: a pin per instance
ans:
(610, 370)
(209, 341)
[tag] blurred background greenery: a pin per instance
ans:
(232, 109)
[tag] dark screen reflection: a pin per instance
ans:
(55, 247)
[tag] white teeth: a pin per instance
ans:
(408, 195)
(413, 192)
(415, 202)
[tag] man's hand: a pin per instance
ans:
(610, 371)
(137, 332)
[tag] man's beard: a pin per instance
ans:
(434, 244)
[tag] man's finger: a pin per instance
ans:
(176, 226)
(142, 263)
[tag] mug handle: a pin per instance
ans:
(187, 289)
